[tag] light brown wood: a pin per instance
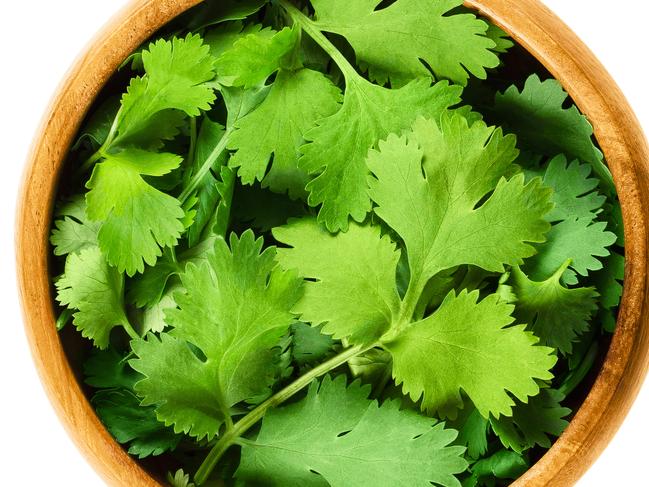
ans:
(532, 25)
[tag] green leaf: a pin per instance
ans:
(263, 210)
(255, 56)
(538, 117)
(608, 280)
(503, 464)
(356, 270)
(533, 423)
(132, 424)
(554, 313)
(176, 72)
(214, 193)
(179, 479)
(578, 239)
(137, 219)
(119, 408)
(74, 231)
(499, 37)
(309, 344)
(340, 143)
(297, 99)
(472, 431)
(210, 13)
(222, 38)
(469, 346)
(378, 446)
(394, 40)
(235, 309)
(438, 212)
(96, 291)
(574, 192)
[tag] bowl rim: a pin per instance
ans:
(529, 23)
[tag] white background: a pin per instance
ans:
(41, 39)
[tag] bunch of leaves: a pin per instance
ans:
(273, 209)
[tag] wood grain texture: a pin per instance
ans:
(529, 23)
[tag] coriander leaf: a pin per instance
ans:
(503, 464)
(119, 408)
(107, 369)
(180, 478)
(214, 195)
(132, 424)
(176, 72)
(355, 270)
(468, 345)
(255, 56)
(394, 40)
(97, 128)
(340, 143)
(435, 212)
(309, 344)
(95, 290)
(577, 239)
(531, 423)
(222, 38)
(137, 219)
(499, 37)
(152, 318)
(554, 313)
(472, 431)
(210, 13)
(538, 117)
(235, 308)
(608, 281)
(264, 210)
(574, 193)
(147, 289)
(74, 231)
(354, 442)
(372, 367)
(297, 99)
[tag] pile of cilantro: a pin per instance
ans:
(336, 243)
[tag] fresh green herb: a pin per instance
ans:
(308, 261)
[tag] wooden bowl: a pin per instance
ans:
(530, 24)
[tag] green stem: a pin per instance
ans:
(192, 150)
(198, 176)
(312, 29)
(248, 421)
(130, 330)
(101, 152)
(574, 378)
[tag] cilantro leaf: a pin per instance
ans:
(215, 314)
(340, 143)
(255, 56)
(119, 408)
(132, 424)
(472, 431)
(373, 445)
(435, 212)
(137, 219)
(608, 280)
(499, 37)
(210, 13)
(394, 39)
(309, 344)
(96, 291)
(531, 423)
(176, 72)
(74, 231)
(504, 464)
(554, 313)
(214, 192)
(297, 99)
(578, 239)
(537, 116)
(574, 192)
(179, 479)
(358, 274)
(469, 345)
(262, 209)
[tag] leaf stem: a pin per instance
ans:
(130, 330)
(198, 176)
(249, 420)
(312, 29)
(101, 152)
